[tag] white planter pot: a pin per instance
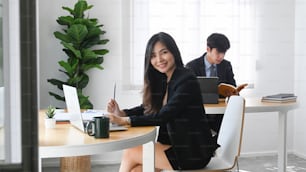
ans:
(50, 122)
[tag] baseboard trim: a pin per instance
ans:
(299, 154)
(254, 154)
(271, 153)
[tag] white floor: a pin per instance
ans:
(250, 164)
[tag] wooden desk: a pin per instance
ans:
(254, 105)
(67, 141)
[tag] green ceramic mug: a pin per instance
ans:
(99, 127)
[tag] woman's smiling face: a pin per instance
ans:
(162, 59)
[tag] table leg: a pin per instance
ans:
(282, 150)
(148, 154)
(75, 164)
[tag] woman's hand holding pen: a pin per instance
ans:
(113, 107)
(116, 115)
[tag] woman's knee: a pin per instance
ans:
(133, 153)
(138, 168)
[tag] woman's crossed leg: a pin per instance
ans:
(132, 159)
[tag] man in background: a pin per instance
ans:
(213, 64)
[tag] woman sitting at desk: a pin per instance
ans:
(171, 100)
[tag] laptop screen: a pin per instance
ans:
(71, 99)
(73, 106)
(209, 89)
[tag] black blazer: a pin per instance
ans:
(183, 123)
(224, 70)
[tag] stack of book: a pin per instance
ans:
(280, 98)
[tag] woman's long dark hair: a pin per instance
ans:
(155, 83)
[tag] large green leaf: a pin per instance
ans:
(92, 61)
(94, 32)
(99, 60)
(76, 52)
(103, 41)
(80, 7)
(74, 60)
(79, 81)
(69, 69)
(66, 73)
(84, 79)
(70, 54)
(101, 25)
(65, 20)
(75, 80)
(77, 32)
(87, 67)
(90, 42)
(95, 20)
(62, 37)
(85, 22)
(58, 97)
(101, 51)
(84, 102)
(88, 54)
(69, 10)
(57, 82)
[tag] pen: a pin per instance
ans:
(114, 91)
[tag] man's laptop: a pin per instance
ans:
(209, 89)
(76, 118)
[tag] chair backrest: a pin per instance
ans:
(231, 130)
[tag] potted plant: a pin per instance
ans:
(50, 120)
(81, 40)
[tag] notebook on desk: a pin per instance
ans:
(73, 107)
(209, 89)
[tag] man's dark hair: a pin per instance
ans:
(218, 41)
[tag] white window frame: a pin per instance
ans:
(241, 34)
(11, 54)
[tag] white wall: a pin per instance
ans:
(300, 70)
(274, 73)
(275, 66)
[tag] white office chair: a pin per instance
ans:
(230, 137)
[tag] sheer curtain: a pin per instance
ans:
(190, 22)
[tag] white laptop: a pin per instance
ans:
(73, 107)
